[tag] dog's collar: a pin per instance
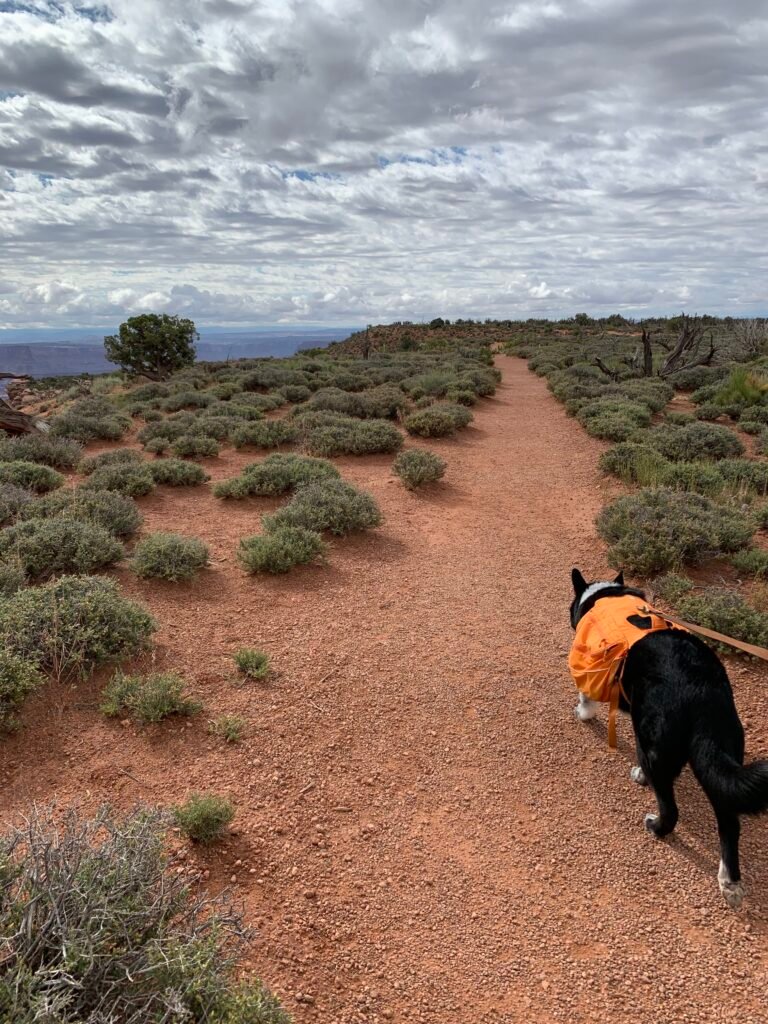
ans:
(595, 588)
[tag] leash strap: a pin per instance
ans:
(757, 652)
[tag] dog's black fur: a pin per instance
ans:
(681, 704)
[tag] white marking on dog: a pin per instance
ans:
(585, 709)
(733, 892)
(638, 775)
(651, 821)
(594, 588)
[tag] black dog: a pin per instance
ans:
(680, 700)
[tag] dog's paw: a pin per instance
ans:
(585, 710)
(733, 893)
(651, 822)
(638, 775)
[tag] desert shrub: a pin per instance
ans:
(613, 419)
(12, 576)
(58, 452)
(762, 445)
(280, 550)
(679, 419)
(195, 446)
(751, 562)
(260, 403)
(655, 394)
(461, 396)
(169, 430)
(725, 612)
(635, 463)
(128, 478)
(148, 392)
(229, 728)
(72, 624)
(18, 678)
(265, 434)
(658, 529)
(751, 426)
(755, 414)
(217, 427)
(745, 475)
(13, 500)
(709, 412)
(169, 556)
(697, 376)
(188, 400)
(252, 663)
(416, 467)
(238, 410)
(671, 587)
(225, 390)
(177, 473)
(147, 698)
(694, 441)
(277, 474)
(701, 477)
(379, 403)
(439, 420)
(50, 547)
(204, 816)
(327, 434)
(89, 419)
(157, 446)
(743, 387)
(330, 505)
(115, 512)
(31, 476)
(151, 415)
(295, 392)
(116, 457)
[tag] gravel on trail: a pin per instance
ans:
(424, 831)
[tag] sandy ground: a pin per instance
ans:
(424, 830)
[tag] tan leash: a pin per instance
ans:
(757, 652)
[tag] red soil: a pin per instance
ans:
(424, 830)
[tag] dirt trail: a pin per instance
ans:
(424, 831)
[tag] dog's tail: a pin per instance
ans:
(730, 786)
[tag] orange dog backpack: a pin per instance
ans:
(603, 639)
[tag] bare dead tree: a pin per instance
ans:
(683, 354)
(14, 421)
(751, 336)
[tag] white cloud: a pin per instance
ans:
(361, 160)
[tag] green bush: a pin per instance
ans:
(330, 505)
(653, 393)
(295, 392)
(744, 387)
(694, 441)
(167, 430)
(50, 547)
(30, 475)
(751, 426)
(18, 678)
(613, 419)
(416, 467)
(58, 452)
(252, 663)
(91, 418)
(277, 474)
(13, 501)
(147, 698)
(671, 587)
(204, 816)
(751, 562)
(229, 728)
(116, 457)
(709, 412)
(679, 419)
(12, 576)
(635, 463)
(345, 435)
(153, 344)
(658, 529)
(157, 446)
(124, 478)
(265, 434)
(168, 556)
(701, 477)
(177, 473)
(188, 400)
(727, 613)
(194, 446)
(280, 550)
(745, 475)
(72, 624)
(755, 414)
(115, 512)
(439, 420)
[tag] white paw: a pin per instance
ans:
(733, 892)
(651, 821)
(585, 710)
(638, 775)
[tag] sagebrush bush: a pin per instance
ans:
(32, 476)
(265, 434)
(709, 412)
(57, 452)
(635, 463)
(694, 441)
(280, 549)
(679, 419)
(147, 698)
(51, 547)
(613, 419)
(204, 816)
(329, 434)
(745, 475)
(166, 430)
(727, 613)
(195, 446)
(295, 392)
(97, 928)
(18, 678)
(177, 473)
(252, 663)
(751, 562)
(115, 512)
(230, 728)
(658, 529)
(188, 400)
(13, 500)
(753, 427)
(115, 457)
(72, 624)
(169, 556)
(327, 505)
(277, 474)
(89, 419)
(701, 477)
(12, 576)
(416, 467)
(127, 478)
(439, 420)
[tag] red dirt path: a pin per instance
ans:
(424, 830)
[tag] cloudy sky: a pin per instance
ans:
(346, 161)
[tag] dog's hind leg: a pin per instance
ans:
(729, 874)
(663, 785)
(585, 709)
(636, 773)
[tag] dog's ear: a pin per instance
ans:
(579, 583)
(620, 579)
